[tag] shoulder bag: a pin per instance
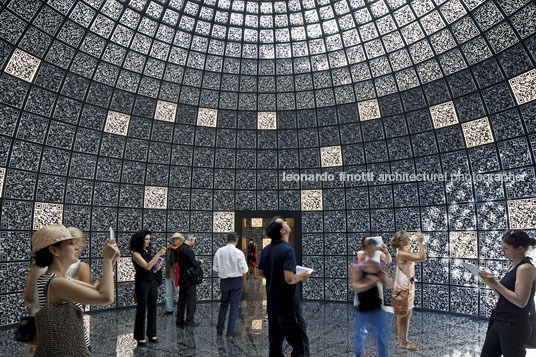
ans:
(400, 297)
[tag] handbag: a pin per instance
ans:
(400, 302)
(26, 329)
(532, 320)
(400, 297)
(196, 275)
(159, 277)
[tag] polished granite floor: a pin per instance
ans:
(330, 330)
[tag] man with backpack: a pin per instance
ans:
(187, 284)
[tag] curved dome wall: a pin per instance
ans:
(172, 115)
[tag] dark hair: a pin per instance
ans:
(368, 242)
(251, 240)
(137, 241)
(517, 239)
(232, 237)
(43, 257)
(363, 241)
(273, 228)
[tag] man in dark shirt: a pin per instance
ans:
(285, 318)
(187, 289)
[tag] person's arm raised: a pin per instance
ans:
(150, 264)
(385, 256)
(414, 257)
(66, 289)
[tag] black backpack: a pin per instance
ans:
(195, 275)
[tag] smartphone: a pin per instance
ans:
(112, 235)
(159, 261)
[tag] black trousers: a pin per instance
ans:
(146, 297)
(187, 297)
(506, 339)
(289, 327)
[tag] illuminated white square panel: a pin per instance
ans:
(443, 115)
(125, 269)
(265, 242)
(266, 121)
(524, 87)
(331, 156)
(311, 200)
(522, 213)
(463, 244)
(46, 214)
(256, 222)
(155, 197)
(256, 324)
(165, 111)
(117, 123)
(23, 65)
(2, 178)
(477, 132)
(223, 222)
(207, 117)
(368, 110)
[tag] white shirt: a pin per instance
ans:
(229, 262)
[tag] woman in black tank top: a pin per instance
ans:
(509, 328)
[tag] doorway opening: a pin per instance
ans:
(251, 227)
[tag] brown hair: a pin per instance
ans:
(397, 238)
(78, 233)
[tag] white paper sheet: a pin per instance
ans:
(377, 239)
(299, 269)
(472, 268)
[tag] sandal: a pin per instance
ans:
(407, 345)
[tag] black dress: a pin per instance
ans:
(146, 294)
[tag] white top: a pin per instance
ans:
(229, 262)
(376, 258)
(72, 270)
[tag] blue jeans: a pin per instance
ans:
(171, 292)
(375, 322)
(231, 292)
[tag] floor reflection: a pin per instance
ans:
(330, 330)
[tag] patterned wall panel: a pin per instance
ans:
(172, 116)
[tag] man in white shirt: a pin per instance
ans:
(230, 264)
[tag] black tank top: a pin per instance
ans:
(505, 310)
(369, 299)
(141, 273)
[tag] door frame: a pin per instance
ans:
(240, 215)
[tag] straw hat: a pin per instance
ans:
(178, 236)
(49, 235)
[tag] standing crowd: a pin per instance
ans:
(58, 286)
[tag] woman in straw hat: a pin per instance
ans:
(60, 327)
(171, 270)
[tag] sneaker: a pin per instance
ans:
(167, 312)
(192, 324)
(233, 334)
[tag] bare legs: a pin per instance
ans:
(402, 327)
